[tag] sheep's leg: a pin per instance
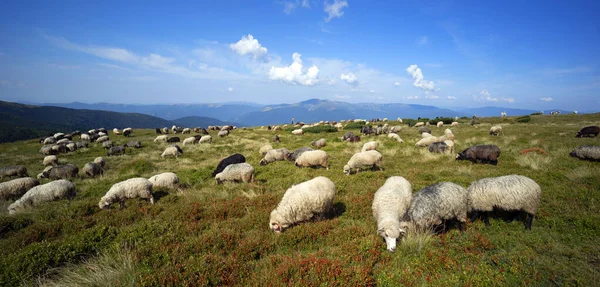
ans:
(122, 203)
(474, 216)
(528, 221)
(486, 218)
(462, 226)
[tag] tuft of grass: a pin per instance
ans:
(355, 125)
(417, 239)
(534, 161)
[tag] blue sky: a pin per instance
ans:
(519, 54)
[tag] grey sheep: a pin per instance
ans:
(107, 144)
(115, 150)
(62, 172)
(81, 144)
(264, 149)
(131, 188)
(92, 169)
(51, 191)
(47, 150)
(134, 144)
(223, 133)
(15, 170)
(480, 153)
(434, 204)
(390, 203)
(587, 152)
(319, 143)
(236, 172)
(275, 155)
(509, 193)
(424, 130)
(294, 156)
(17, 187)
(438, 147)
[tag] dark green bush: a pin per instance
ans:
(537, 114)
(446, 120)
(355, 125)
(320, 129)
(524, 119)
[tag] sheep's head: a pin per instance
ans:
(219, 178)
(347, 169)
(277, 223)
(460, 156)
(263, 162)
(573, 154)
(391, 234)
(104, 203)
(578, 135)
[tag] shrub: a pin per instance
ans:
(446, 120)
(355, 125)
(320, 129)
(537, 114)
(524, 119)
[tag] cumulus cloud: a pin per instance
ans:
(484, 95)
(350, 79)
(548, 99)
(418, 80)
(451, 98)
(249, 45)
(334, 10)
(293, 74)
(290, 6)
(396, 84)
(230, 89)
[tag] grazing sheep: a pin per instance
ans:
(99, 160)
(453, 124)
(17, 187)
(115, 150)
(427, 124)
(426, 135)
(49, 140)
(205, 139)
(92, 169)
(190, 140)
(47, 150)
(161, 138)
(107, 144)
(395, 129)
(134, 144)
(496, 130)
(370, 158)
(186, 131)
(71, 146)
(587, 152)
(438, 147)
(223, 133)
(419, 124)
(131, 188)
(347, 136)
(81, 144)
(302, 202)
(298, 132)
(101, 134)
(166, 179)
(449, 146)
(480, 153)
(353, 139)
(15, 170)
(116, 131)
(440, 124)
(59, 135)
(509, 193)
(429, 140)
(158, 131)
(591, 131)
(236, 172)
(434, 204)
(61, 172)
(84, 137)
(174, 140)
(102, 139)
(127, 132)
(275, 155)
(424, 130)
(50, 160)
(63, 141)
(396, 137)
(173, 150)
(51, 191)
(165, 130)
(369, 146)
(390, 203)
(312, 158)
(319, 143)
(264, 149)
(276, 139)
(296, 154)
(232, 159)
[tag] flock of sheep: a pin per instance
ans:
(396, 209)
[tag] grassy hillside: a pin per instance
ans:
(200, 122)
(209, 234)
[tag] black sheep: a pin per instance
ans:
(115, 150)
(62, 172)
(591, 131)
(232, 159)
(439, 147)
(347, 136)
(173, 140)
(424, 130)
(481, 153)
(158, 132)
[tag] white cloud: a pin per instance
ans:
(305, 4)
(249, 45)
(431, 96)
(423, 40)
(548, 99)
(451, 98)
(290, 6)
(334, 10)
(341, 96)
(293, 74)
(230, 89)
(372, 91)
(350, 79)
(484, 95)
(396, 84)
(412, 98)
(419, 82)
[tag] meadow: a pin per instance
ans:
(212, 235)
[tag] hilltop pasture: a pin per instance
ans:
(213, 235)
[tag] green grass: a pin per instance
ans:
(209, 234)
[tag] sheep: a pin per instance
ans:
(347, 136)
(186, 131)
(296, 154)
(165, 130)
(102, 139)
(15, 170)
(99, 160)
(59, 148)
(232, 159)
(190, 140)
(302, 202)
(17, 187)
(71, 146)
(312, 158)
(116, 131)
(353, 139)
(236, 172)
(419, 124)
(429, 140)
(276, 139)
(399, 120)
(496, 130)
(395, 129)
(134, 144)
(440, 124)
(49, 140)
(591, 131)
(449, 146)
(37, 195)
(587, 152)
(63, 141)
(319, 143)
(223, 133)
(481, 153)
(81, 144)
(424, 130)
(275, 155)
(173, 150)
(205, 139)
(426, 135)
(127, 132)
(50, 160)
(427, 124)
(390, 203)
(396, 137)
(174, 140)
(166, 180)
(264, 149)
(115, 150)
(434, 204)
(369, 146)
(61, 172)
(59, 135)
(453, 124)
(509, 193)
(370, 158)
(161, 138)
(298, 132)
(131, 188)
(438, 147)
(107, 144)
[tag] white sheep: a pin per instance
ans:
(61, 141)
(166, 179)
(161, 138)
(302, 202)
(116, 131)
(44, 172)
(313, 158)
(449, 146)
(51, 191)
(396, 137)
(395, 129)
(298, 132)
(319, 143)
(454, 124)
(50, 160)
(50, 140)
(370, 158)
(427, 141)
(223, 133)
(496, 130)
(102, 139)
(390, 203)
(16, 187)
(84, 137)
(58, 135)
(190, 140)
(205, 139)
(419, 124)
(425, 135)
(440, 124)
(186, 131)
(372, 145)
(236, 172)
(99, 160)
(131, 188)
(399, 119)
(510, 193)
(172, 151)
(264, 149)
(275, 155)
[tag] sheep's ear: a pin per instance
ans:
(402, 231)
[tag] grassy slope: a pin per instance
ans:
(218, 234)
